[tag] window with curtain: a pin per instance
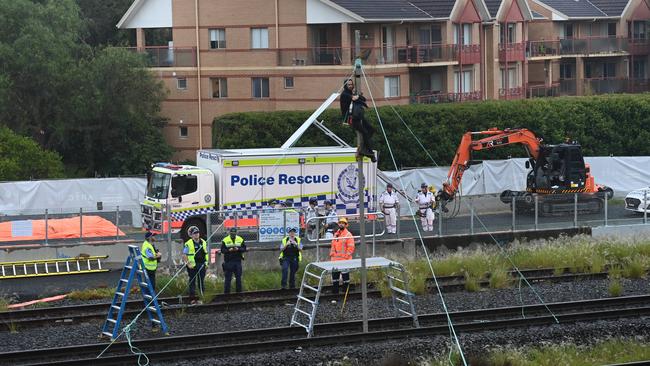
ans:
(391, 86)
(217, 38)
(259, 38)
(260, 87)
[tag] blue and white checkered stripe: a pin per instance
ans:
(183, 215)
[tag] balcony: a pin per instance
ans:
(426, 54)
(512, 93)
(582, 46)
(639, 46)
(429, 97)
(542, 90)
(568, 87)
(167, 57)
(469, 54)
(310, 56)
(614, 85)
(512, 52)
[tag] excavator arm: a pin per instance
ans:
(495, 138)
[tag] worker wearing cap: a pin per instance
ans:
(331, 220)
(425, 201)
(389, 204)
(195, 257)
(311, 223)
(150, 257)
(290, 257)
(341, 250)
(232, 248)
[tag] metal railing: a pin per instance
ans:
(542, 90)
(512, 93)
(425, 97)
(512, 51)
(585, 46)
(162, 56)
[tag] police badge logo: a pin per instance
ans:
(348, 184)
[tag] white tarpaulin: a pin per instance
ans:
(69, 195)
(622, 174)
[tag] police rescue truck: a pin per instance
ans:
(250, 179)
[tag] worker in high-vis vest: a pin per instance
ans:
(150, 257)
(290, 257)
(195, 257)
(232, 248)
(341, 250)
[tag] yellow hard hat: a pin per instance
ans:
(432, 189)
(343, 219)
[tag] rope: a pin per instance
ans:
(127, 328)
(456, 210)
(450, 324)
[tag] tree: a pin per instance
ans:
(100, 18)
(21, 159)
(119, 129)
(100, 109)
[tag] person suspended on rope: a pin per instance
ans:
(353, 111)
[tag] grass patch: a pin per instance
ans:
(4, 303)
(92, 294)
(635, 268)
(609, 351)
(615, 287)
(500, 278)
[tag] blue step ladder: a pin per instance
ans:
(133, 270)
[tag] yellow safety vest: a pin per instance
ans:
(149, 264)
(190, 251)
(285, 243)
(237, 243)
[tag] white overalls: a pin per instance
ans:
(388, 203)
(425, 209)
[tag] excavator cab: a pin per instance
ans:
(557, 168)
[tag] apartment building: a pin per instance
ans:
(264, 55)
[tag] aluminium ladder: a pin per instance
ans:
(52, 267)
(133, 270)
(304, 314)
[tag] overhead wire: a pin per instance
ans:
(450, 324)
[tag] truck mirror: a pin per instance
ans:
(527, 164)
(180, 199)
(174, 192)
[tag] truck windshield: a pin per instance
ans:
(158, 185)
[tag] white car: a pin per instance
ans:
(634, 201)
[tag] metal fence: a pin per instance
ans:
(83, 225)
(466, 215)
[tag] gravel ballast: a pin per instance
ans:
(191, 322)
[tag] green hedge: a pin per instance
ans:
(604, 125)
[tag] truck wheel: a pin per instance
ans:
(193, 223)
(506, 196)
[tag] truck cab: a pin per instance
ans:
(186, 190)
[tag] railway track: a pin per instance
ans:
(74, 314)
(283, 338)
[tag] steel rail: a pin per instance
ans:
(273, 339)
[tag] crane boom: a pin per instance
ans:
(495, 138)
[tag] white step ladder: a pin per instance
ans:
(304, 314)
(52, 267)
(402, 298)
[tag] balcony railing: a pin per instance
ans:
(512, 93)
(310, 56)
(568, 87)
(614, 85)
(469, 54)
(542, 90)
(639, 46)
(428, 97)
(168, 56)
(512, 51)
(426, 53)
(586, 46)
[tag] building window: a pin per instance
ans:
(217, 38)
(463, 34)
(638, 69)
(609, 70)
(288, 82)
(219, 87)
(260, 87)
(259, 38)
(638, 29)
(566, 71)
(391, 86)
(512, 81)
(181, 83)
(182, 132)
(463, 83)
(568, 30)
(611, 29)
(508, 33)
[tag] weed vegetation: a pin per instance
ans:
(601, 353)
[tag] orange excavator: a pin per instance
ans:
(557, 173)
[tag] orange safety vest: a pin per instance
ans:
(342, 246)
